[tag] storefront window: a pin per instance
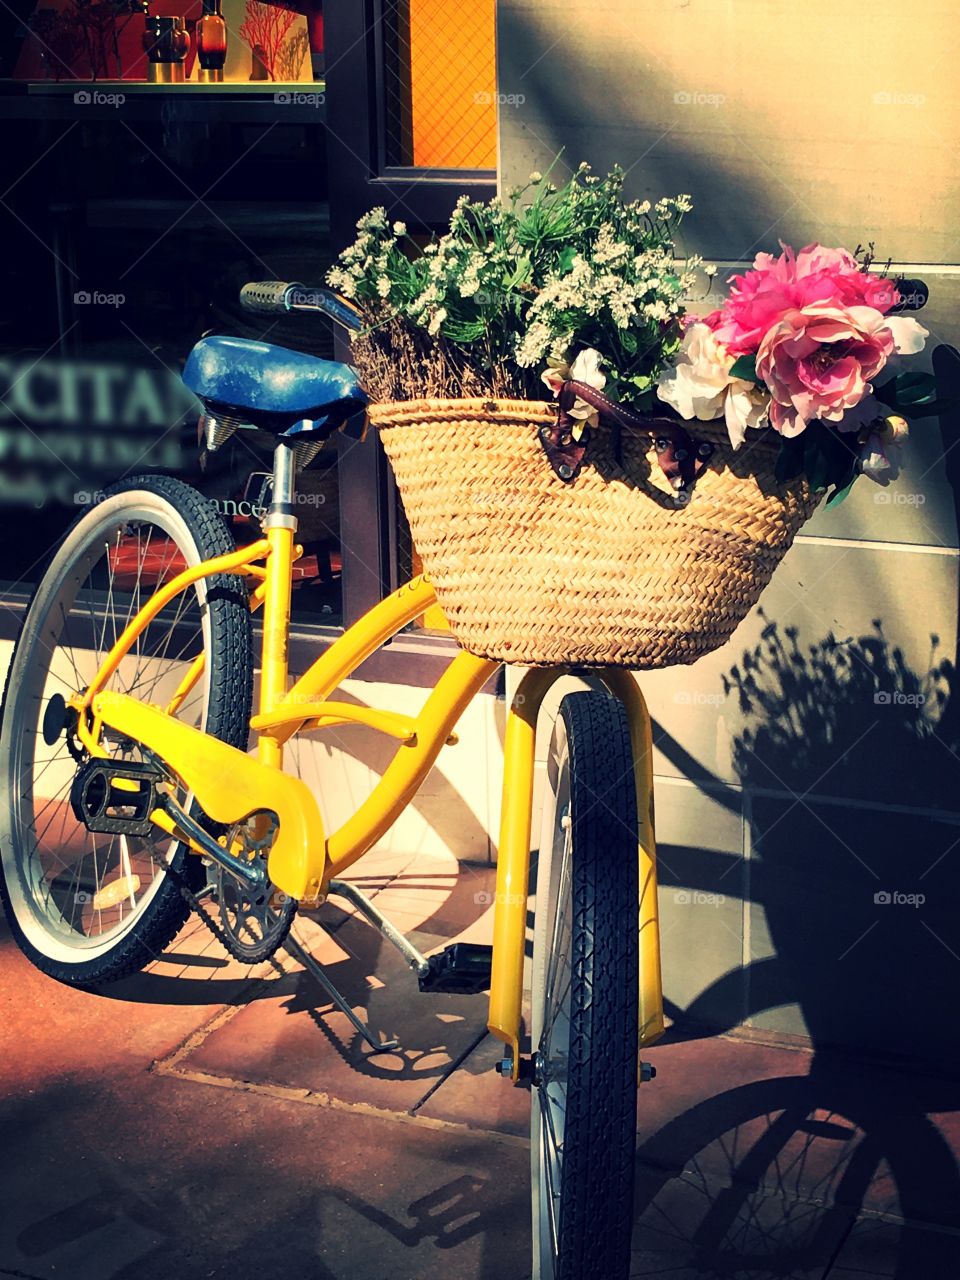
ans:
(127, 237)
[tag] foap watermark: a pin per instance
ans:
(86, 298)
(249, 508)
(292, 98)
(487, 898)
(697, 98)
(897, 898)
(897, 698)
(485, 99)
(896, 498)
(498, 499)
(686, 497)
(698, 898)
(698, 698)
(98, 98)
(488, 297)
(896, 98)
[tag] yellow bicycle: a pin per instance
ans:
(127, 716)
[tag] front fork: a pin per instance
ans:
(513, 858)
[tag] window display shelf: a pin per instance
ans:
(251, 88)
(292, 103)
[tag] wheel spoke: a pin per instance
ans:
(553, 1191)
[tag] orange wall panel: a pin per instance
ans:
(453, 84)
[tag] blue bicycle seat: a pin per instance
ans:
(278, 390)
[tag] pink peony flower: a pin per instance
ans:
(819, 360)
(760, 298)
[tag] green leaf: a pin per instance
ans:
(907, 389)
(521, 273)
(828, 460)
(839, 495)
(929, 409)
(567, 256)
(628, 340)
(463, 331)
(745, 367)
(915, 388)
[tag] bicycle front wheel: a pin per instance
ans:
(84, 907)
(584, 998)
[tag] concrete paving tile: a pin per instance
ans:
(150, 1176)
(694, 1226)
(476, 1095)
(296, 1038)
(831, 1130)
(876, 1249)
(693, 1072)
(47, 1030)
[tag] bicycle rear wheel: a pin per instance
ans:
(88, 908)
(584, 992)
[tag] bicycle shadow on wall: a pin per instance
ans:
(850, 763)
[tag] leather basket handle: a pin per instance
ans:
(682, 457)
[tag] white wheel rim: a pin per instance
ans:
(31, 685)
(550, 1006)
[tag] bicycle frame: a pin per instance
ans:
(229, 785)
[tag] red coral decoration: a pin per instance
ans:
(264, 29)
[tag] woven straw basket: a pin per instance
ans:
(609, 570)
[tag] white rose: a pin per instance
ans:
(700, 386)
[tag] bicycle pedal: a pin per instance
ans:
(462, 968)
(115, 797)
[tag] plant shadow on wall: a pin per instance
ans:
(848, 757)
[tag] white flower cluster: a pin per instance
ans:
(368, 258)
(615, 282)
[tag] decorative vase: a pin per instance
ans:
(166, 42)
(211, 42)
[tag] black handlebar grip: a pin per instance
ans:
(268, 296)
(913, 295)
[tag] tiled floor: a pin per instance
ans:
(208, 1120)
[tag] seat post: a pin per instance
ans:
(281, 513)
(280, 526)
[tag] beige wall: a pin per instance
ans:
(813, 122)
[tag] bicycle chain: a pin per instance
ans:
(222, 935)
(194, 903)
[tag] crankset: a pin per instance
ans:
(255, 917)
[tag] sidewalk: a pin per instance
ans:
(208, 1120)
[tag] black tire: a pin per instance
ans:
(213, 614)
(584, 990)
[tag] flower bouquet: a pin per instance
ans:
(594, 471)
(797, 346)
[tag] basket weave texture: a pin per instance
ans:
(611, 570)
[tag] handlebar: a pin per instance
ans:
(914, 295)
(270, 297)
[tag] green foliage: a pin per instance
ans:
(534, 277)
(746, 367)
(828, 457)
